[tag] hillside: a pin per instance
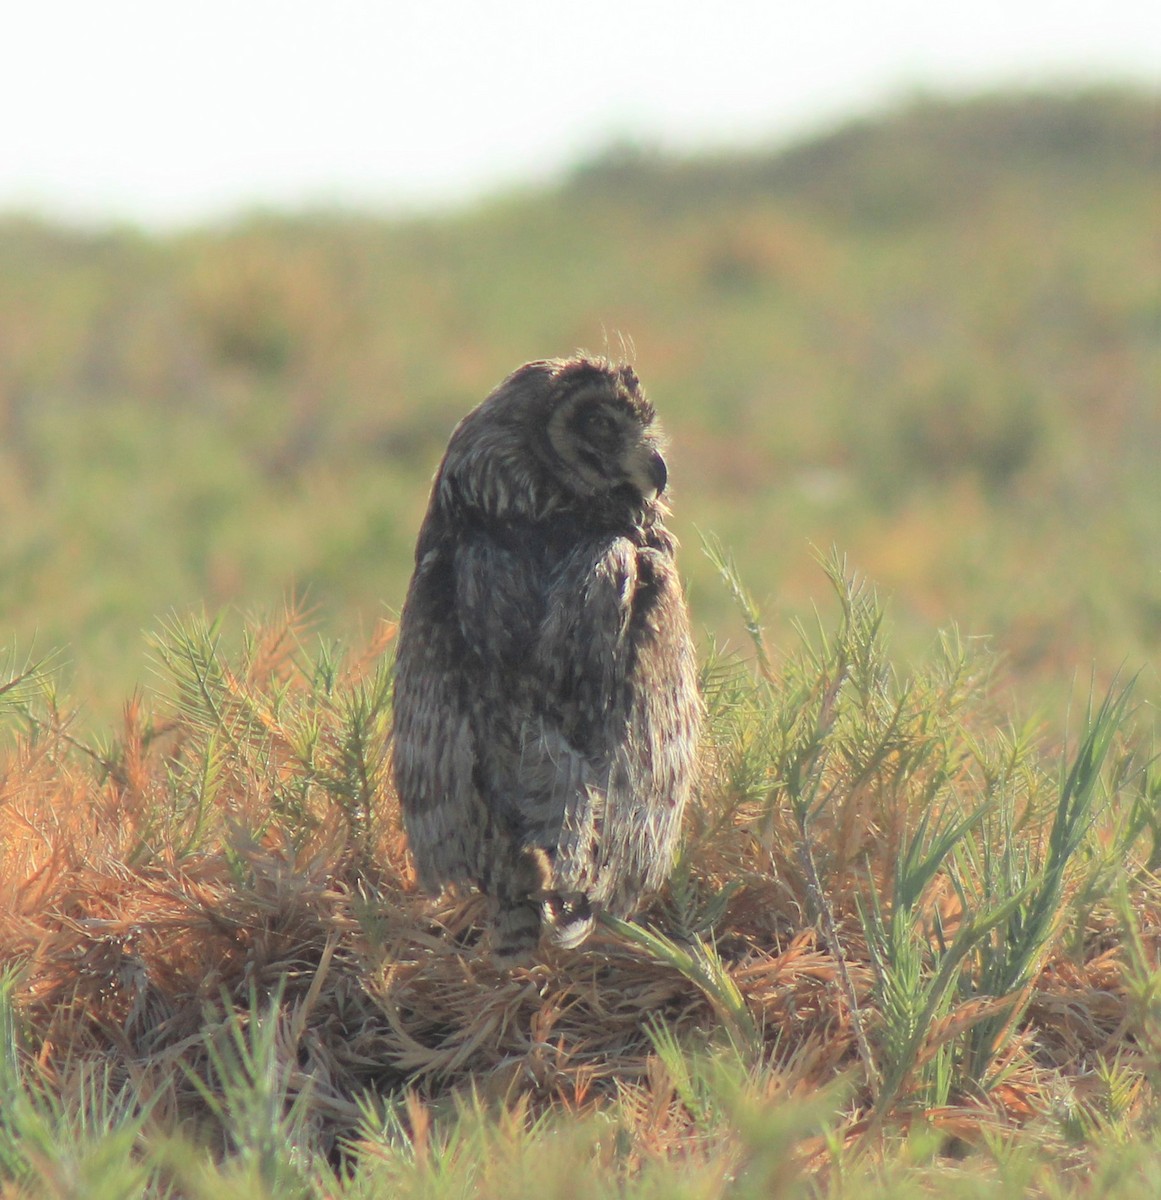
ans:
(930, 338)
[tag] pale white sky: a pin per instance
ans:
(169, 113)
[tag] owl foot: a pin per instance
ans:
(568, 918)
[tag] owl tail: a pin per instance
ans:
(565, 921)
(516, 881)
(515, 933)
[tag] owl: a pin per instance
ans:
(546, 712)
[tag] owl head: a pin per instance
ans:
(558, 435)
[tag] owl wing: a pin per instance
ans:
(433, 741)
(462, 701)
(525, 767)
(584, 657)
(623, 673)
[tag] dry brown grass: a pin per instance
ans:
(157, 891)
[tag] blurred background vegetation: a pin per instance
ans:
(932, 337)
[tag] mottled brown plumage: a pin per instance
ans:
(546, 709)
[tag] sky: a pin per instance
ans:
(167, 113)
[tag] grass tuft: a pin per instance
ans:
(900, 950)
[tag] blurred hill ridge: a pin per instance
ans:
(925, 159)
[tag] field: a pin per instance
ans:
(912, 940)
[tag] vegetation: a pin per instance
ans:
(930, 338)
(911, 940)
(901, 949)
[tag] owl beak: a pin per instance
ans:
(645, 471)
(658, 474)
(649, 474)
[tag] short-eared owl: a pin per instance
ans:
(546, 708)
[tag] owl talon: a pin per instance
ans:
(563, 907)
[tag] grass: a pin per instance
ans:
(928, 337)
(906, 946)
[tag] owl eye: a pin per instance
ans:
(597, 425)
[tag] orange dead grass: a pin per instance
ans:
(150, 890)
